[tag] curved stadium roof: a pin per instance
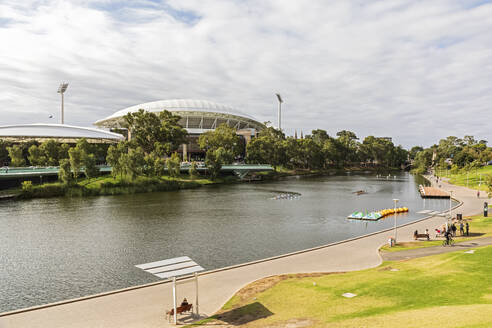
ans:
(57, 131)
(184, 108)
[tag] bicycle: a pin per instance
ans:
(449, 242)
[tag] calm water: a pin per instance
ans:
(56, 249)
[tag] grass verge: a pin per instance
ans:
(474, 179)
(480, 226)
(451, 290)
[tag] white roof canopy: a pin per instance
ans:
(175, 267)
(56, 131)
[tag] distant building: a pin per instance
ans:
(386, 138)
(60, 132)
(197, 117)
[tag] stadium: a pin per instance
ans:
(197, 117)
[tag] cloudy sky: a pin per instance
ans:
(413, 70)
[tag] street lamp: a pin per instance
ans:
(61, 89)
(396, 201)
(450, 197)
(280, 101)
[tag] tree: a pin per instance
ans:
(414, 150)
(36, 156)
(193, 170)
(348, 141)
(319, 137)
(84, 146)
(63, 151)
(91, 170)
(268, 148)
(16, 156)
(223, 136)
(333, 152)
(154, 132)
(173, 165)
(133, 162)
(113, 158)
(221, 145)
(4, 154)
(76, 157)
(51, 151)
(65, 174)
(488, 181)
(309, 154)
(159, 166)
(213, 164)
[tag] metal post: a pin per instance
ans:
(62, 111)
(396, 201)
(450, 197)
(174, 300)
(196, 293)
(279, 116)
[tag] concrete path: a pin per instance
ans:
(421, 252)
(145, 307)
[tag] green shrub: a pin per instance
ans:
(27, 186)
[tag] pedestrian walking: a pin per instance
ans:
(462, 230)
(478, 193)
(453, 229)
(467, 226)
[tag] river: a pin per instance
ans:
(61, 248)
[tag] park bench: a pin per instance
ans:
(421, 235)
(179, 310)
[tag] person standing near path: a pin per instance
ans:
(467, 229)
(462, 230)
(478, 193)
(453, 229)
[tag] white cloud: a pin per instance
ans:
(416, 71)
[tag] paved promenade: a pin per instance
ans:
(145, 307)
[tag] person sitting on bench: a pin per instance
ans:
(185, 302)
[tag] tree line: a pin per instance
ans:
(156, 137)
(321, 151)
(452, 153)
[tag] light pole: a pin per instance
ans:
(280, 101)
(396, 201)
(450, 197)
(61, 89)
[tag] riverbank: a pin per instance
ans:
(143, 306)
(107, 185)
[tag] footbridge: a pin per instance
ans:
(241, 170)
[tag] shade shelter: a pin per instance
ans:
(172, 268)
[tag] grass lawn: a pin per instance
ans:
(478, 225)
(473, 177)
(447, 290)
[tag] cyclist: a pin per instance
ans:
(447, 234)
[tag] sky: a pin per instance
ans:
(416, 71)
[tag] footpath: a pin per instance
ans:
(146, 306)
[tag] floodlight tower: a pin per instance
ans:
(61, 89)
(280, 101)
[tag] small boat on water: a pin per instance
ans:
(360, 192)
(374, 216)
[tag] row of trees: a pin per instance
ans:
(452, 153)
(48, 153)
(320, 151)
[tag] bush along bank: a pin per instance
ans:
(105, 186)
